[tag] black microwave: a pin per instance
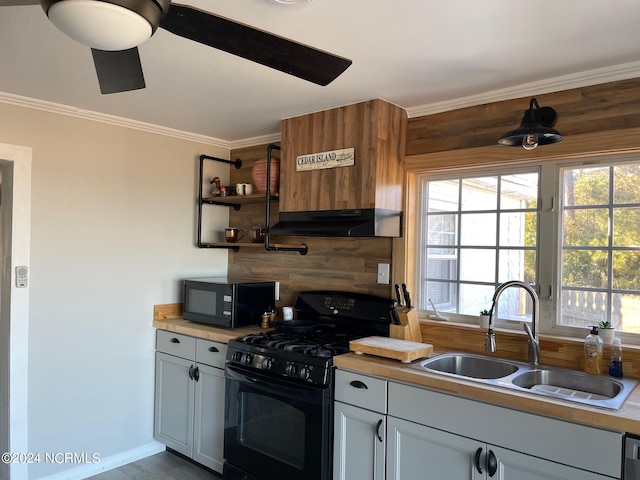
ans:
(228, 303)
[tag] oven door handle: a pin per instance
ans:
(270, 384)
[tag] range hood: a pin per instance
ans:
(367, 222)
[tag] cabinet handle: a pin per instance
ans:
(378, 430)
(492, 464)
(196, 374)
(191, 372)
(175, 340)
(213, 349)
(477, 460)
(358, 384)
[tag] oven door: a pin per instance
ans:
(276, 429)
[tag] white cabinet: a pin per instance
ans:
(359, 433)
(464, 436)
(189, 397)
(418, 452)
(433, 435)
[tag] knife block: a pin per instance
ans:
(409, 328)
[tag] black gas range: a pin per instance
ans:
(278, 415)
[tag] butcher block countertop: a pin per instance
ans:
(169, 317)
(626, 419)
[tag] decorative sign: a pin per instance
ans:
(332, 159)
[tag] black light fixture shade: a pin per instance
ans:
(535, 128)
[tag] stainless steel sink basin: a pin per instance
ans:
(576, 386)
(471, 366)
(572, 385)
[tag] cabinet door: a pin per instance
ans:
(359, 446)
(516, 466)
(209, 417)
(173, 417)
(416, 452)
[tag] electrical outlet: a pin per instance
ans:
(383, 273)
(277, 291)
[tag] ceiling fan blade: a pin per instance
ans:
(12, 3)
(256, 45)
(118, 71)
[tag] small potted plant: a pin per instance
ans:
(484, 318)
(606, 332)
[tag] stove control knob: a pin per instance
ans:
(237, 357)
(305, 372)
(291, 369)
(248, 358)
(267, 363)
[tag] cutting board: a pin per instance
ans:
(402, 350)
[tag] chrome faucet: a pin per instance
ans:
(534, 341)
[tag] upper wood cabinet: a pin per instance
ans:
(375, 129)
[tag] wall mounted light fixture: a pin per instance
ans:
(535, 128)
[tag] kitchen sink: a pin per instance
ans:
(565, 384)
(467, 365)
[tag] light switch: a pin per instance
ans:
(383, 273)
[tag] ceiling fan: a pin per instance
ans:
(114, 29)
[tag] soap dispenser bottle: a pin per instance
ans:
(593, 352)
(615, 366)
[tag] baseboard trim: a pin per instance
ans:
(81, 472)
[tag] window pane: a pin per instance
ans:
(582, 308)
(625, 184)
(478, 265)
(479, 193)
(478, 229)
(585, 268)
(626, 265)
(443, 295)
(586, 186)
(514, 304)
(441, 263)
(441, 229)
(518, 229)
(586, 227)
(626, 312)
(626, 227)
(474, 298)
(519, 191)
(517, 265)
(443, 196)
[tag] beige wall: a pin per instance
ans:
(112, 232)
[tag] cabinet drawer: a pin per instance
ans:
(361, 390)
(211, 353)
(176, 344)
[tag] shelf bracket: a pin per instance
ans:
(237, 162)
(303, 249)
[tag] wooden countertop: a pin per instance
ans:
(626, 419)
(218, 334)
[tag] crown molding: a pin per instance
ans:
(566, 82)
(58, 108)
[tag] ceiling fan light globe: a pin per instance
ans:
(100, 25)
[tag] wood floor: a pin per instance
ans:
(161, 466)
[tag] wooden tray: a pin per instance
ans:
(402, 350)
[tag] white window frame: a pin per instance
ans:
(549, 240)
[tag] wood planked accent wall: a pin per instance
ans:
(602, 118)
(349, 264)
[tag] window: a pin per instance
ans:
(481, 228)
(478, 231)
(600, 256)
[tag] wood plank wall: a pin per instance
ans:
(349, 264)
